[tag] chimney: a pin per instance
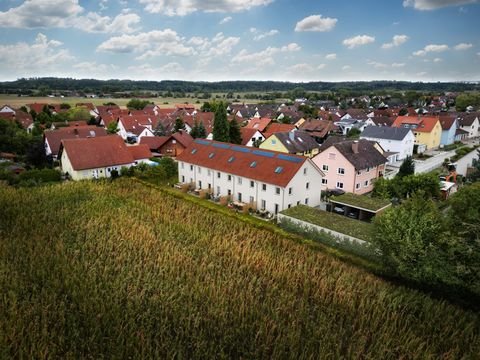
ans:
(355, 147)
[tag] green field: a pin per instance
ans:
(123, 270)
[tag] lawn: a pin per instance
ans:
(356, 228)
(362, 201)
(123, 270)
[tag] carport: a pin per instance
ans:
(358, 207)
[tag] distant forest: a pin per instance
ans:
(28, 86)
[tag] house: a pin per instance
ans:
(274, 128)
(140, 153)
(426, 129)
(23, 118)
(97, 157)
(258, 124)
(135, 127)
(318, 129)
(470, 123)
(53, 138)
(350, 165)
(449, 128)
(380, 121)
(172, 145)
(461, 135)
(251, 137)
(293, 142)
(399, 141)
(347, 124)
(268, 180)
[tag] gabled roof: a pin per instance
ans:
(385, 132)
(366, 156)
(183, 138)
(447, 122)
(154, 142)
(262, 165)
(297, 141)
(274, 128)
(55, 137)
(318, 128)
(98, 152)
(259, 124)
(140, 152)
(25, 119)
(136, 124)
(247, 134)
(468, 119)
(422, 123)
(382, 120)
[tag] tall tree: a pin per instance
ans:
(234, 132)
(159, 130)
(194, 132)
(201, 132)
(220, 124)
(179, 125)
(407, 167)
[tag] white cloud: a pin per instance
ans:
(153, 43)
(435, 4)
(346, 67)
(316, 23)
(64, 14)
(396, 41)
(264, 57)
(301, 68)
(185, 7)
(89, 68)
(42, 57)
(321, 66)
(331, 56)
(431, 48)
(398, 65)
(463, 46)
(358, 40)
(437, 60)
(377, 65)
(422, 73)
(261, 36)
(225, 20)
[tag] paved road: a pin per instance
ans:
(423, 166)
(465, 162)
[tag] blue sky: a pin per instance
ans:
(210, 40)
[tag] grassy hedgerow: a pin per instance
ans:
(121, 270)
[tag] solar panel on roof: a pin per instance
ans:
(290, 158)
(203, 142)
(263, 153)
(221, 146)
(240, 149)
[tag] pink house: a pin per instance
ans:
(350, 165)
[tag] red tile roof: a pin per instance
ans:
(447, 122)
(424, 123)
(274, 128)
(140, 152)
(183, 138)
(247, 134)
(55, 137)
(98, 152)
(258, 124)
(266, 162)
(154, 142)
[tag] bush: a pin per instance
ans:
(42, 175)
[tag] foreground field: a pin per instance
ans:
(121, 270)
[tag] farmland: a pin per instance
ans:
(123, 270)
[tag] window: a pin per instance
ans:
(191, 167)
(289, 206)
(307, 186)
(290, 191)
(368, 169)
(252, 200)
(229, 192)
(278, 170)
(264, 205)
(209, 172)
(339, 185)
(218, 175)
(252, 184)
(199, 170)
(182, 165)
(277, 190)
(239, 181)
(231, 158)
(183, 179)
(357, 186)
(276, 208)
(306, 201)
(199, 184)
(264, 187)
(365, 184)
(253, 164)
(211, 155)
(341, 171)
(359, 172)
(239, 197)
(209, 185)
(194, 151)
(218, 190)
(273, 141)
(229, 177)
(325, 167)
(305, 171)
(324, 181)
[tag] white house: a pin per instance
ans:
(470, 123)
(393, 140)
(251, 137)
(135, 127)
(98, 157)
(269, 180)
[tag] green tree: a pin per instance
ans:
(65, 106)
(112, 128)
(159, 130)
(137, 104)
(46, 110)
(412, 242)
(407, 167)
(33, 113)
(43, 118)
(234, 132)
(220, 124)
(403, 112)
(201, 132)
(179, 125)
(354, 133)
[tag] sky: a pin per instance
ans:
(214, 40)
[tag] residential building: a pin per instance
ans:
(426, 129)
(350, 165)
(268, 180)
(251, 137)
(449, 128)
(293, 142)
(135, 127)
(471, 124)
(171, 146)
(98, 157)
(259, 124)
(398, 142)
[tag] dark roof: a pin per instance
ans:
(447, 122)
(268, 166)
(385, 132)
(383, 120)
(468, 119)
(297, 141)
(367, 155)
(92, 153)
(154, 142)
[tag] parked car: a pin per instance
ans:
(339, 210)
